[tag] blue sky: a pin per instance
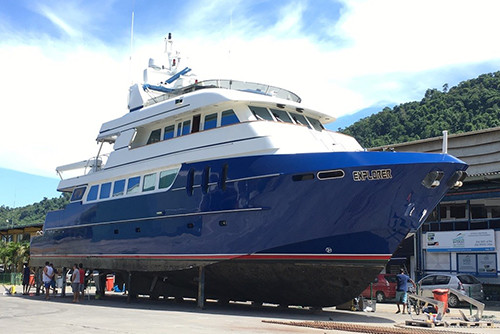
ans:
(65, 66)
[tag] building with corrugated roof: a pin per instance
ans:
(462, 234)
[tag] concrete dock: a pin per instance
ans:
(33, 314)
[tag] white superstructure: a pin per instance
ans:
(179, 120)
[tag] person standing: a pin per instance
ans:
(26, 279)
(47, 275)
(54, 277)
(75, 283)
(82, 280)
(402, 289)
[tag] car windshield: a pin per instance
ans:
(391, 279)
(468, 279)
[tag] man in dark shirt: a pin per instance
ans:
(402, 288)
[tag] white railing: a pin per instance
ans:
(85, 167)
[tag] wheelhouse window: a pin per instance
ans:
(119, 188)
(169, 132)
(154, 137)
(78, 194)
(210, 121)
(261, 113)
(105, 190)
(167, 178)
(149, 182)
(228, 117)
(133, 185)
(92, 195)
(281, 115)
(315, 123)
(300, 119)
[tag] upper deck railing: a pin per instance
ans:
(243, 86)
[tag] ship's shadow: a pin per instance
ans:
(246, 309)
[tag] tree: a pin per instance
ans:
(14, 254)
(471, 105)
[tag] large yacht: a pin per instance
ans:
(241, 182)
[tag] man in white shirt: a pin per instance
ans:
(48, 273)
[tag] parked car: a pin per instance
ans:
(382, 288)
(462, 282)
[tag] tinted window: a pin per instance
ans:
(391, 279)
(210, 121)
(154, 137)
(186, 127)
(300, 119)
(149, 182)
(78, 194)
(105, 190)
(261, 113)
(468, 279)
(119, 188)
(440, 279)
(169, 132)
(315, 123)
(93, 193)
(428, 280)
(281, 116)
(167, 177)
(228, 117)
(133, 185)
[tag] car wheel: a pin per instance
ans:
(453, 301)
(380, 297)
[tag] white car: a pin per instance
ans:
(466, 284)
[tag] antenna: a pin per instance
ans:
(131, 47)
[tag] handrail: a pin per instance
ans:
(243, 86)
(479, 306)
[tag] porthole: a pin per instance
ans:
(331, 174)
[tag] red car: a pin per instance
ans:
(383, 287)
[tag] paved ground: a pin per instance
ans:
(32, 314)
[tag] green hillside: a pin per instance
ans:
(471, 105)
(31, 214)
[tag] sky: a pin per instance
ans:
(65, 66)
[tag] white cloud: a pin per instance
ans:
(58, 92)
(57, 100)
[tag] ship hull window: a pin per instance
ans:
(105, 190)
(228, 117)
(154, 137)
(133, 185)
(92, 196)
(210, 121)
(149, 182)
(186, 127)
(119, 187)
(167, 178)
(169, 132)
(78, 194)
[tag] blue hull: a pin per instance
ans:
(331, 215)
